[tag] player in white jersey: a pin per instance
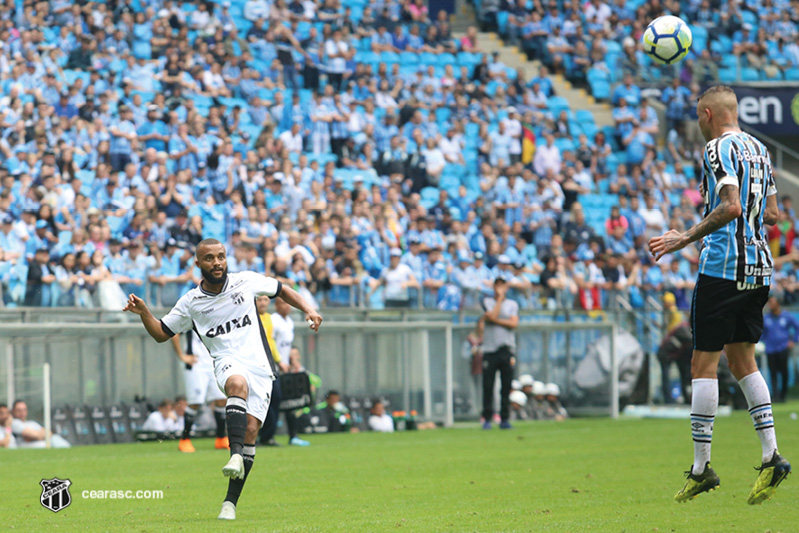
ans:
(733, 285)
(201, 387)
(223, 313)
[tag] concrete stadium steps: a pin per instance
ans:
(512, 57)
(463, 18)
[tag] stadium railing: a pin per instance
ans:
(419, 365)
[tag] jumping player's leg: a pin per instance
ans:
(774, 468)
(711, 328)
(704, 404)
(743, 366)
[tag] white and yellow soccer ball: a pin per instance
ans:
(667, 39)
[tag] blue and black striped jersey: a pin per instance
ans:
(739, 251)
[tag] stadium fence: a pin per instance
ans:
(417, 365)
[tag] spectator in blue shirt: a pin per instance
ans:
(64, 108)
(677, 101)
(638, 144)
(625, 119)
(123, 134)
(780, 334)
(154, 132)
(434, 277)
(627, 91)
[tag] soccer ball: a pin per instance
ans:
(667, 39)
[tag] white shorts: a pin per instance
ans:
(201, 386)
(259, 383)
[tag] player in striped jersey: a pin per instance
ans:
(735, 269)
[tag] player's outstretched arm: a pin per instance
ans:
(153, 326)
(291, 297)
(728, 210)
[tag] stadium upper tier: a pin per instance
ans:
(597, 42)
(318, 141)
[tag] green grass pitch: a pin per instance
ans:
(580, 475)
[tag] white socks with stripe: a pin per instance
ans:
(759, 401)
(704, 404)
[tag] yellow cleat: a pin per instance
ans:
(186, 446)
(771, 475)
(707, 481)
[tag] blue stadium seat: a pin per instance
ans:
(449, 182)
(750, 18)
(389, 57)
(557, 101)
(600, 90)
(429, 194)
(727, 75)
(726, 42)
(443, 114)
(502, 23)
(699, 32)
(367, 56)
(729, 61)
(564, 144)
(792, 74)
(750, 74)
(447, 59)
(590, 130)
(409, 58)
(584, 116)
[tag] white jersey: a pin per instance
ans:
(227, 323)
(283, 330)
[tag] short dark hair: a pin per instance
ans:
(180, 398)
(3, 405)
(205, 242)
(332, 392)
(164, 403)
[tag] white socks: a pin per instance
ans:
(704, 404)
(759, 401)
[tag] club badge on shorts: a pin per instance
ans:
(55, 494)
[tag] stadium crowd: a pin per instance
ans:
(359, 152)
(597, 41)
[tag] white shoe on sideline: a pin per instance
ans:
(234, 468)
(228, 511)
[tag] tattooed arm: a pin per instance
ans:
(728, 210)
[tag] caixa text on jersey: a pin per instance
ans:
(228, 326)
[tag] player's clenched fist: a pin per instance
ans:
(314, 320)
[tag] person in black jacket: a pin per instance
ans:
(39, 275)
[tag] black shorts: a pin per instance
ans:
(722, 314)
